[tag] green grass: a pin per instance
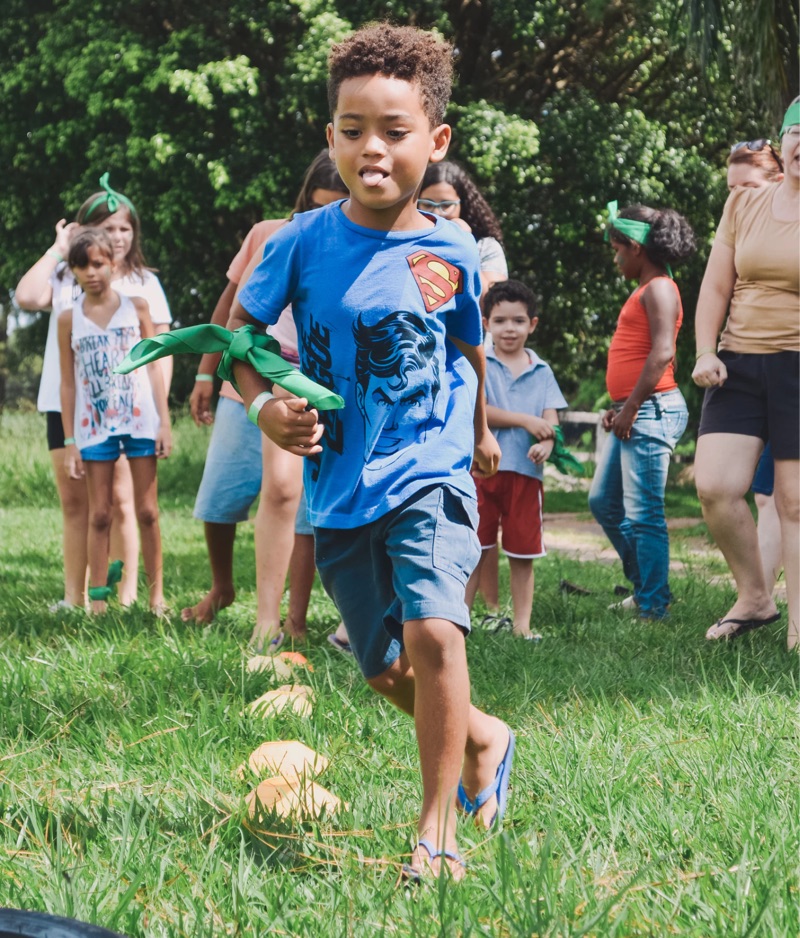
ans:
(655, 789)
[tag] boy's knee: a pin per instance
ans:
(435, 639)
(392, 681)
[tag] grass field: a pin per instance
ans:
(655, 789)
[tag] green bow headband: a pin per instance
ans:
(245, 344)
(791, 117)
(111, 197)
(635, 230)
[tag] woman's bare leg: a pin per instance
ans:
(787, 501)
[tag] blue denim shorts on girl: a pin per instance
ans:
(411, 563)
(115, 446)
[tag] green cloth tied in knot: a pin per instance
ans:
(246, 344)
(561, 457)
(111, 197)
(104, 593)
(637, 231)
(791, 117)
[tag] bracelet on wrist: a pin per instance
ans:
(255, 408)
(705, 351)
(204, 377)
(52, 252)
(69, 441)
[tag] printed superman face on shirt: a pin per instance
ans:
(398, 382)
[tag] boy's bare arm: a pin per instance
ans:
(536, 426)
(487, 452)
(284, 420)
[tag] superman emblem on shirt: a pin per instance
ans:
(438, 280)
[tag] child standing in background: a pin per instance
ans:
(523, 399)
(104, 414)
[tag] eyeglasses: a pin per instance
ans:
(441, 208)
(756, 146)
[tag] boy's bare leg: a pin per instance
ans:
(473, 582)
(145, 489)
(301, 581)
(219, 541)
(75, 515)
(125, 533)
(100, 483)
(460, 739)
(521, 570)
(489, 584)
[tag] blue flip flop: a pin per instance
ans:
(412, 875)
(498, 787)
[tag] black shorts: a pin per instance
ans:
(55, 430)
(760, 398)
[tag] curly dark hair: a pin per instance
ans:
(397, 52)
(475, 209)
(510, 291)
(671, 238)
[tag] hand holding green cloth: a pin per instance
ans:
(561, 457)
(246, 344)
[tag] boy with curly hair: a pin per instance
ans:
(386, 305)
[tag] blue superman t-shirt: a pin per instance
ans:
(373, 311)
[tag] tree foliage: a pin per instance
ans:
(207, 114)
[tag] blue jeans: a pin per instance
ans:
(627, 497)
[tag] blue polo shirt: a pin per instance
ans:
(532, 392)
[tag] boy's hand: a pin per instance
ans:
(539, 452)
(487, 456)
(73, 463)
(540, 428)
(287, 422)
(163, 441)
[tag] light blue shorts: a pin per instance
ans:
(114, 446)
(412, 563)
(232, 473)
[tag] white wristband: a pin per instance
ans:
(255, 408)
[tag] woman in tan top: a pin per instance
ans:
(753, 382)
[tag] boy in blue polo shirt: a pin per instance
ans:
(523, 399)
(386, 305)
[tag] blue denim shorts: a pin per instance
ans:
(232, 473)
(412, 563)
(764, 478)
(114, 446)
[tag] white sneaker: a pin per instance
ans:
(628, 604)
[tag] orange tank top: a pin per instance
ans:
(630, 346)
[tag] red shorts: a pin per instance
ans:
(514, 501)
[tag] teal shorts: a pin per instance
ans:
(412, 563)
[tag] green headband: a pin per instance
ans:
(635, 230)
(112, 198)
(791, 117)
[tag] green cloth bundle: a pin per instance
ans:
(246, 344)
(104, 593)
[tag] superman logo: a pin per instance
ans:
(437, 280)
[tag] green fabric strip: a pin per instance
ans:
(635, 230)
(112, 198)
(561, 457)
(245, 344)
(103, 593)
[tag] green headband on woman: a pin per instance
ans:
(791, 117)
(635, 230)
(111, 197)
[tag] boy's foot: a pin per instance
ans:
(265, 641)
(203, 613)
(426, 859)
(483, 789)
(628, 604)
